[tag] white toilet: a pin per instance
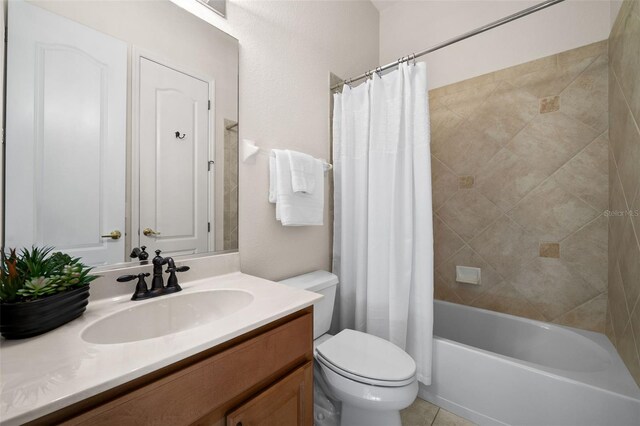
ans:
(371, 378)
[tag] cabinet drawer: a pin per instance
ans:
(212, 384)
(289, 402)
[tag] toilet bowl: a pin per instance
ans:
(368, 379)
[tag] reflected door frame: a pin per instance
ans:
(133, 198)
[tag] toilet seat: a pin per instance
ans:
(366, 359)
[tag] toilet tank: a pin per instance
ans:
(324, 283)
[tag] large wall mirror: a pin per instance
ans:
(121, 130)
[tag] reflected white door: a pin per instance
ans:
(174, 149)
(65, 136)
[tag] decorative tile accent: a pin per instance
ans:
(466, 182)
(551, 250)
(550, 104)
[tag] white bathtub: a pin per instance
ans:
(497, 369)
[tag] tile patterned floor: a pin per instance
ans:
(423, 413)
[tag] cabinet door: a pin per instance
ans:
(289, 402)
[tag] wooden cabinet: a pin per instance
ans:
(286, 403)
(264, 377)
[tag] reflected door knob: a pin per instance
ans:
(114, 235)
(150, 232)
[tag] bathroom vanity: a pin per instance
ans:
(265, 374)
(252, 361)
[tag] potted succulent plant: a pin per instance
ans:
(40, 291)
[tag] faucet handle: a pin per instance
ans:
(177, 269)
(125, 278)
(142, 292)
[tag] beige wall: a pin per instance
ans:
(623, 314)
(287, 50)
(520, 187)
(411, 26)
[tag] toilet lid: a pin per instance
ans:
(367, 357)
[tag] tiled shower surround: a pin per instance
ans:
(623, 315)
(520, 188)
(230, 218)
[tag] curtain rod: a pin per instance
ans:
(454, 40)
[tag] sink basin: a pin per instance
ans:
(166, 315)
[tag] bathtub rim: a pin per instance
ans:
(567, 375)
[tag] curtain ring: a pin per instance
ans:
(414, 59)
(379, 72)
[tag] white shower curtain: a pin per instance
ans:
(383, 233)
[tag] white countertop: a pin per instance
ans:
(45, 373)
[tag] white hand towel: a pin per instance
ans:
(296, 208)
(303, 168)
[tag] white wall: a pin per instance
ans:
(411, 26)
(287, 50)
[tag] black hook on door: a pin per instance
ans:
(180, 137)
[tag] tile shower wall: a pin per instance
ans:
(230, 217)
(520, 188)
(623, 313)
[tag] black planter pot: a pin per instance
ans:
(27, 319)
